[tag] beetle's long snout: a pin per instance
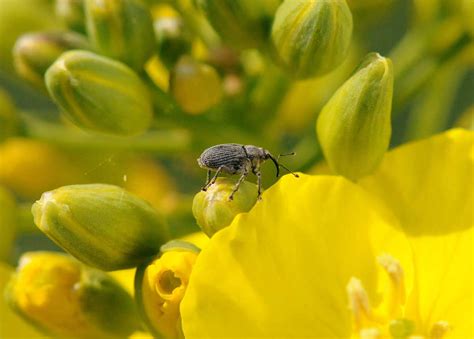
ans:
(277, 165)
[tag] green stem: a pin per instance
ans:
(414, 69)
(197, 22)
(165, 142)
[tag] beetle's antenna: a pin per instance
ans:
(296, 175)
(278, 165)
(284, 155)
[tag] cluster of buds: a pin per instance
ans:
(122, 68)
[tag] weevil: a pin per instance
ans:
(237, 159)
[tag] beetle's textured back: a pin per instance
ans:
(229, 155)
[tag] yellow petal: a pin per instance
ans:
(429, 184)
(444, 283)
(281, 270)
(12, 325)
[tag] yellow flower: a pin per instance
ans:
(26, 167)
(160, 286)
(326, 258)
(64, 298)
(16, 327)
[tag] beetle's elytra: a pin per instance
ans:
(236, 159)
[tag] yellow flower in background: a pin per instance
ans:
(321, 257)
(26, 167)
(150, 181)
(11, 324)
(64, 298)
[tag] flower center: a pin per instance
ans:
(387, 320)
(167, 283)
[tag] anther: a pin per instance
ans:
(396, 275)
(359, 302)
(370, 333)
(440, 329)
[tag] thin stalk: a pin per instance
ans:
(164, 142)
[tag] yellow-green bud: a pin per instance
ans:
(213, 210)
(18, 17)
(172, 39)
(71, 12)
(102, 225)
(354, 126)
(121, 29)
(8, 223)
(8, 116)
(312, 37)
(195, 86)
(160, 285)
(241, 23)
(67, 299)
(34, 53)
(99, 93)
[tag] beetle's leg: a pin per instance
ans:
(213, 180)
(208, 179)
(259, 184)
(236, 188)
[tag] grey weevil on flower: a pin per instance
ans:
(237, 159)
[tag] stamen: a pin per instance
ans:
(440, 329)
(396, 297)
(358, 303)
(370, 333)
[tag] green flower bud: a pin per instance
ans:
(34, 53)
(18, 17)
(213, 210)
(354, 126)
(8, 223)
(8, 116)
(102, 225)
(121, 29)
(241, 23)
(160, 285)
(67, 299)
(99, 93)
(312, 37)
(71, 12)
(172, 39)
(195, 86)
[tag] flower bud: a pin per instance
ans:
(241, 23)
(354, 126)
(102, 225)
(67, 299)
(18, 17)
(34, 53)
(312, 37)
(8, 116)
(213, 210)
(99, 93)
(71, 12)
(160, 285)
(121, 29)
(195, 86)
(172, 39)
